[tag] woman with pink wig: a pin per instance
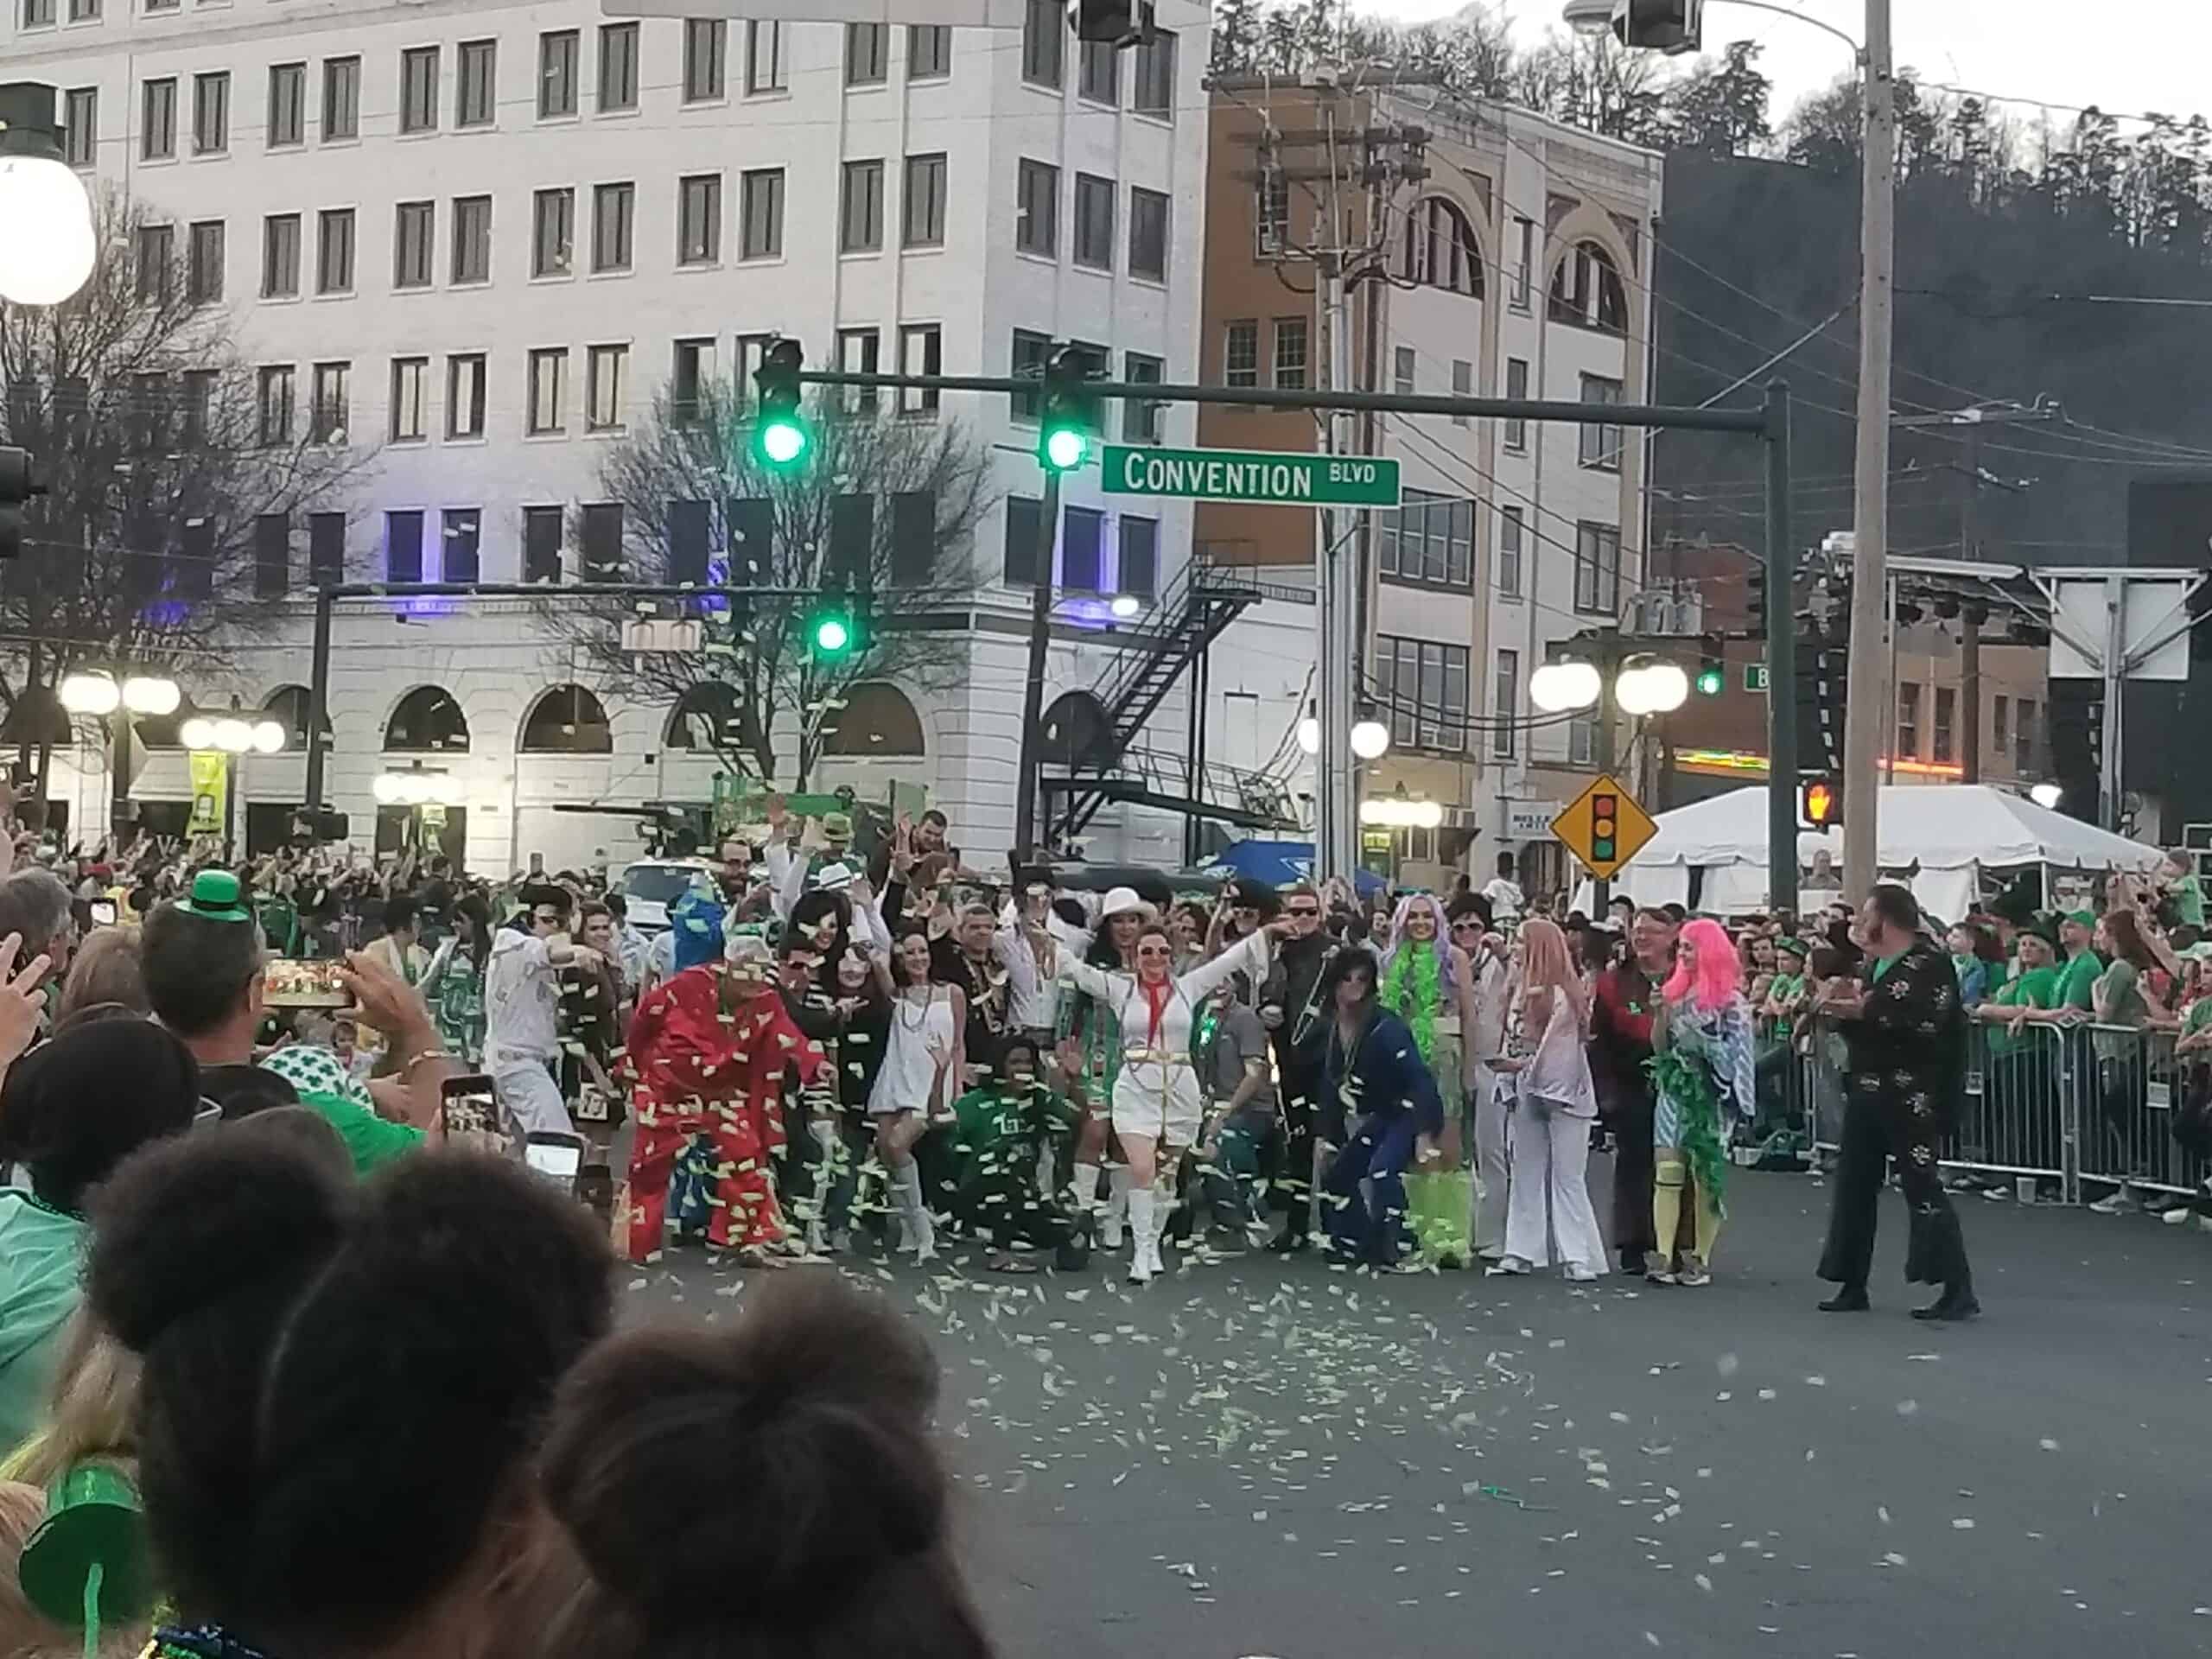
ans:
(1701, 1068)
(1548, 1198)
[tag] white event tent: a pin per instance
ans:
(1941, 836)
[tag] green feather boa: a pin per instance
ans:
(1410, 988)
(1688, 1084)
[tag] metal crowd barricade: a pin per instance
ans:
(2130, 1085)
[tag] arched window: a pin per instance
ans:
(288, 706)
(1439, 248)
(876, 723)
(1587, 289)
(1077, 732)
(567, 719)
(704, 717)
(428, 720)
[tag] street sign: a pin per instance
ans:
(1272, 477)
(1526, 820)
(1605, 827)
(1754, 676)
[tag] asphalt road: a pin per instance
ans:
(1257, 1457)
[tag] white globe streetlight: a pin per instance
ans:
(268, 736)
(198, 733)
(1557, 687)
(151, 693)
(1370, 739)
(90, 694)
(386, 788)
(49, 247)
(1126, 606)
(1651, 689)
(1309, 734)
(2047, 796)
(233, 736)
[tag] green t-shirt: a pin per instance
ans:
(2036, 989)
(41, 1266)
(371, 1141)
(2077, 982)
(2197, 1016)
(997, 1132)
(1785, 986)
(2188, 900)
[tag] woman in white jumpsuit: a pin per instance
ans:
(1156, 1100)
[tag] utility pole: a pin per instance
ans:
(1029, 765)
(1874, 706)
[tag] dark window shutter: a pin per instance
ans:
(687, 543)
(402, 547)
(1079, 536)
(913, 537)
(326, 548)
(195, 559)
(851, 564)
(1020, 564)
(602, 542)
(749, 524)
(464, 528)
(541, 544)
(272, 555)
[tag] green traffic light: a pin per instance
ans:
(832, 634)
(1709, 681)
(1065, 448)
(782, 441)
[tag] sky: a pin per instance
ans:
(2134, 56)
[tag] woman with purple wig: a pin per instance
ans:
(1701, 1070)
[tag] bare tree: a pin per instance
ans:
(896, 495)
(149, 435)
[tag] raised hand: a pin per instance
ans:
(22, 994)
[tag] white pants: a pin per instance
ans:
(530, 1098)
(1550, 1156)
(1491, 1163)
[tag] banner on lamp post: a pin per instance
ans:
(211, 783)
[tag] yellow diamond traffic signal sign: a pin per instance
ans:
(1604, 827)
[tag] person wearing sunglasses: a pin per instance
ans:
(1289, 1007)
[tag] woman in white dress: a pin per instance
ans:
(1156, 1100)
(923, 1048)
(1552, 1115)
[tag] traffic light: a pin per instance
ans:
(1711, 671)
(1117, 23)
(15, 488)
(781, 436)
(1605, 824)
(1820, 803)
(835, 630)
(1070, 413)
(1670, 26)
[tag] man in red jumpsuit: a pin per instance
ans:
(708, 1050)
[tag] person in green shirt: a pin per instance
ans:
(2077, 976)
(2185, 887)
(2034, 990)
(1000, 1134)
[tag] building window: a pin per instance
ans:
(465, 378)
(1581, 741)
(556, 74)
(691, 384)
(1147, 233)
(548, 390)
(287, 105)
(541, 544)
(1424, 685)
(1601, 440)
(418, 89)
(765, 69)
(1141, 416)
(410, 399)
(472, 239)
(1463, 384)
(403, 546)
(601, 534)
(280, 257)
(38, 13)
(618, 67)
(1137, 571)
(272, 555)
(203, 272)
(1271, 212)
(1043, 42)
(1155, 76)
(921, 351)
(752, 353)
(1099, 73)
(1438, 249)
(1030, 350)
(326, 548)
(552, 232)
(1290, 353)
(156, 261)
(1524, 236)
(706, 48)
(929, 51)
(157, 122)
(922, 217)
(273, 405)
(606, 370)
(459, 556)
(1947, 705)
(1516, 385)
(1240, 353)
(1507, 707)
(476, 98)
(1094, 221)
(1018, 562)
(341, 99)
(1401, 371)
(1588, 291)
(1908, 722)
(211, 113)
(859, 351)
(1430, 539)
(761, 233)
(331, 412)
(2023, 737)
(1598, 569)
(859, 215)
(2000, 726)
(1037, 209)
(1511, 526)
(1081, 537)
(868, 53)
(414, 237)
(614, 214)
(80, 126)
(699, 220)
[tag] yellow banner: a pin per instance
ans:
(211, 784)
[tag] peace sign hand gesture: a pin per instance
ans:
(21, 996)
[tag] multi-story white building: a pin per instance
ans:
(482, 238)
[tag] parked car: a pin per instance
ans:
(649, 886)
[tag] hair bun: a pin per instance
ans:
(188, 1222)
(796, 1449)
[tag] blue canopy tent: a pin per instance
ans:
(1280, 863)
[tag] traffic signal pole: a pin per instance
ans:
(1780, 555)
(1030, 765)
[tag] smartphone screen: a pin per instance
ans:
(470, 1111)
(102, 912)
(295, 982)
(554, 1156)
